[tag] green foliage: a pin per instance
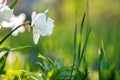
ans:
(52, 70)
(3, 62)
(13, 4)
(22, 48)
(33, 75)
(103, 65)
(80, 75)
(81, 53)
(106, 72)
(4, 49)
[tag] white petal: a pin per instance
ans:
(5, 2)
(40, 21)
(19, 30)
(33, 16)
(6, 24)
(1, 1)
(36, 37)
(50, 22)
(18, 20)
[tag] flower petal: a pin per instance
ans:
(36, 37)
(33, 16)
(5, 2)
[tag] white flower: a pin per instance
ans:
(41, 25)
(15, 22)
(1, 1)
(5, 12)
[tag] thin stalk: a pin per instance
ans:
(12, 32)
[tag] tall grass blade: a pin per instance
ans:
(75, 36)
(85, 43)
(82, 24)
(79, 47)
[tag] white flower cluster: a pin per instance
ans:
(42, 26)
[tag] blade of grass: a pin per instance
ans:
(75, 36)
(82, 24)
(85, 44)
(79, 47)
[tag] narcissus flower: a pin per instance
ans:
(42, 26)
(5, 12)
(15, 22)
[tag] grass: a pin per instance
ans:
(60, 44)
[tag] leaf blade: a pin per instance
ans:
(13, 4)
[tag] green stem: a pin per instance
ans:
(12, 32)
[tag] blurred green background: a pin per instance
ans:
(104, 18)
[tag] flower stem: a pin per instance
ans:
(12, 32)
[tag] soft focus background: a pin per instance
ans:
(104, 16)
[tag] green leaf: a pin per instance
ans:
(64, 69)
(50, 73)
(47, 65)
(4, 49)
(79, 49)
(42, 68)
(22, 48)
(13, 4)
(3, 62)
(42, 57)
(32, 75)
(16, 78)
